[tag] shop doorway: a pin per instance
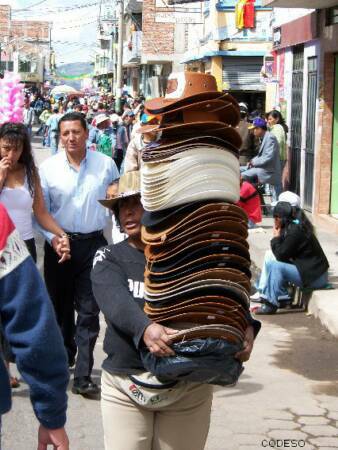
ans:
(310, 131)
(296, 117)
(255, 101)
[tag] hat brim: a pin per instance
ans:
(162, 104)
(111, 202)
(225, 111)
(212, 128)
(150, 128)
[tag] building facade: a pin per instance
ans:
(235, 48)
(306, 65)
(25, 47)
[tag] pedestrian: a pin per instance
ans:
(72, 182)
(38, 108)
(28, 116)
(249, 200)
(53, 129)
(266, 165)
(294, 200)
(144, 136)
(31, 329)
(246, 152)
(20, 192)
(20, 188)
(279, 129)
(120, 143)
(129, 123)
(104, 138)
(44, 116)
(138, 410)
(299, 258)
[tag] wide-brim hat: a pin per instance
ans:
(206, 110)
(100, 118)
(185, 88)
(156, 218)
(171, 145)
(129, 185)
(195, 176)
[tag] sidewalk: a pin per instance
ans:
(323, 303)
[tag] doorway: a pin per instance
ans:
(310, 131)
(296, 117)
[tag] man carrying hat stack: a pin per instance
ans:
(266, 165)
(197, 268)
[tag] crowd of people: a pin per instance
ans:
(94, 146)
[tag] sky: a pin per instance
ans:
(73, 32)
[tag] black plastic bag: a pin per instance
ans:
(208, 360)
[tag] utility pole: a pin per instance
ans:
(119, 78)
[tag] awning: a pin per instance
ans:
(234, 53)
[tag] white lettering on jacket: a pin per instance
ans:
(137, 288)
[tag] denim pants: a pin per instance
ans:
(279, 275)
(261, 282)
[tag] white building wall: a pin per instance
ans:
(285, 15)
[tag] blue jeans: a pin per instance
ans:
(261, 283)
(279, 275)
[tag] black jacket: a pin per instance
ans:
(117, 280)
(304, 252)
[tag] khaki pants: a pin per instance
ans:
(183, 425)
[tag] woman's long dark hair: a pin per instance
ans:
(279, 119)
(16, 134)
(292, 215)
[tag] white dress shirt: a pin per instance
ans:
(71, 195)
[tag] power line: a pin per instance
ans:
(29, 7)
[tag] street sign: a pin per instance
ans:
(178, 17)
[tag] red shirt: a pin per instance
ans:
(250, 202)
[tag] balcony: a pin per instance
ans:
(132, 49)
(308, 4)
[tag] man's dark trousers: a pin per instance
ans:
(70, 289)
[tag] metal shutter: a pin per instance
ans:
(242, 73)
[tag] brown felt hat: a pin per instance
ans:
(184, 88)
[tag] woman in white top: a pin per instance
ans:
(20, 188)
(21, 193)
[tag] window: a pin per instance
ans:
(332, 16)
(24, 66)
(6, 65)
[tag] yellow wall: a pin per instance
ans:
(216, 70)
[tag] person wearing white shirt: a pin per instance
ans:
(72, 182)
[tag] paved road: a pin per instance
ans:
(287, 396)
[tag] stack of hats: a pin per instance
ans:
(197, 276)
